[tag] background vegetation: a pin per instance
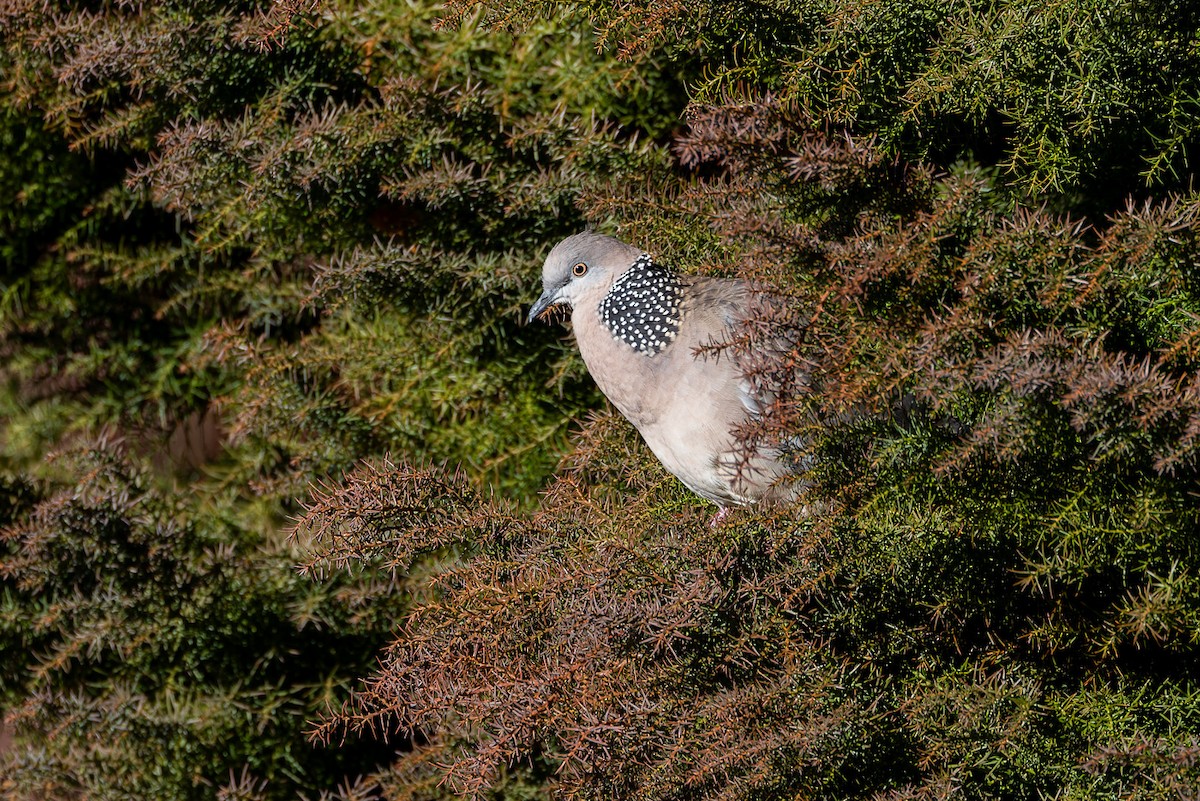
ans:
(264, 267)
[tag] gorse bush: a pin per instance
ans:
(991, 595)
(1071, 96)
(262, 244)
(277, 255)
(165, 652)
(321, 161)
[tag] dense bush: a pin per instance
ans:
(166, 651)
(993, 593)
(1089, 98)
(267, 242)
(252, 245)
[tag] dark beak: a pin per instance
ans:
(546, 302)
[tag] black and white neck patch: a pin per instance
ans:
(642, 308)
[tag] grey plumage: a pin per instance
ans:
(638, 326)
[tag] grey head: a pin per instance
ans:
(635, 299)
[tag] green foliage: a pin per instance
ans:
(391, 179)
(1087, 99)
(43, 186)
(253, 244)
(257, 243)
(157, 648)
(990, 589)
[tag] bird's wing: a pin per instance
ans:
(721, 306)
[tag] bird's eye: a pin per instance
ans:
(579, 269)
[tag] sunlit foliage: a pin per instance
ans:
(265, 272)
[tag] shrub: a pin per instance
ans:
(257, 226)
(983, 222)
(992, 591)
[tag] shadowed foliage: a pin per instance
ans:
(993, 588)
(253, 243)
(266, 270)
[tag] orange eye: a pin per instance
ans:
(579, 269)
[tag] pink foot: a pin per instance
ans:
(718, 517)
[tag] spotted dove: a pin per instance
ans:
(639, 327)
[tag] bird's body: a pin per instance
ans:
(641, 330)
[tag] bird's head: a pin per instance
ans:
(579, 268)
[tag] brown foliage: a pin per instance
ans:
(975, 385)
(565, 636)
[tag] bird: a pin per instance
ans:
(646, 334)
